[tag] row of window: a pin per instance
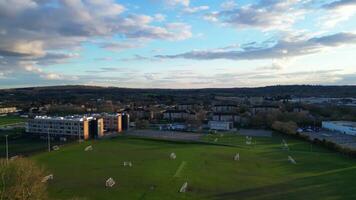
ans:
(56, 123)
(54, 127)
(53, 131)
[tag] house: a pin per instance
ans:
(225, 108)
(264, 109)
(221, 125)
(255, 100)
(221, 116)
(186, 106)
(179, 115)
(140, 113)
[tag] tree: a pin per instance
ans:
(142, 124)
(285, 127)
(21, 179)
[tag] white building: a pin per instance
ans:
(72, 126)
(345, 127)
(221, 125)
(8, 110)
(231, 117)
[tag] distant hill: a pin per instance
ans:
(115, 93)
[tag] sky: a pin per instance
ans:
(177, 43)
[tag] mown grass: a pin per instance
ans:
(22, 144)
(263, 171)
(7, 120)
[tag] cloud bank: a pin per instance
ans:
(280, 49)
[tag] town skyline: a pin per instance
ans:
(177, 43)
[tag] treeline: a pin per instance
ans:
(266, 120)
(80, 93)
(332, 112)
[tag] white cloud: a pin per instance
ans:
(37, 32)
(228, 5)
(337, 12)
(266, 15)
(278, 50)
(187, 8)
(178, 2)
(195, 9)
(119, 46)
(12, 7)
(159, 17)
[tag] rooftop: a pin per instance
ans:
(68, 118)
(344, 123)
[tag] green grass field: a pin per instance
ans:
(263, 171)
(7, 120)
(19, 143)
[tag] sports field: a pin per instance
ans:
(8, 120)
(263, 171)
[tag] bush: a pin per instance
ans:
(21, 179)
(142, 124)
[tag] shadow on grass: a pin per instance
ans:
(167, 141)
(322, 185)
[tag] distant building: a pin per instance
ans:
(186, 106)
(112, 122)
(140, 113)
(299, 109)
(345, 127)
(125, 121)
(225, 108)
(221, 125)
(264, 109)
(173, 127)
(221, 116)
(255, 100)
(7, 110)
(83, 127)
(177, 115)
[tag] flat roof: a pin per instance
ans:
(68, 118)
(343, 123)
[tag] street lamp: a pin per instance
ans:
(79, 139)
(48, 139)
(7, 149)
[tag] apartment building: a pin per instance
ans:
(6, 110)
(125, 121)
(224, 116)
(174, 115)
(139, 113)
(264, 109)
(71, 126)
(187, 106)
(221, 125)
(225, 108)
(112, 122)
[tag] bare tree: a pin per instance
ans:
(21, 180)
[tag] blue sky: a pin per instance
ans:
(177, 43)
